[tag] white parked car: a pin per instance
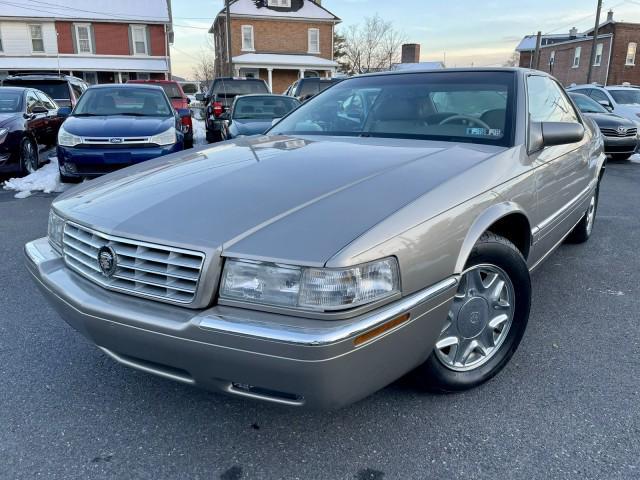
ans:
(622, 100)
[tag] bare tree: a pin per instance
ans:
(205, 67)
(513, 61)
(374, 45)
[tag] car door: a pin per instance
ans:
(36, 122)
(561, 172)
(52, 120)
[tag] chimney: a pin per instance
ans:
(610, 16)
(411, 53)
(573, 33)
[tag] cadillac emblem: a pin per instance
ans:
(107, 261)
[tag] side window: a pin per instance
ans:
(32, 101)
(46, 101)
(77, 90)
(309, 88)
(547, 102)
(583, 91)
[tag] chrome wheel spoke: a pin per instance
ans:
(475, 284)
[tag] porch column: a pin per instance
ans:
(236, 72)
(119, 77)
(270, 78)
(302, 70)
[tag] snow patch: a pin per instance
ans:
(199, 131)
(636, 158)
(45, 179)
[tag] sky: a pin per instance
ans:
(465, 32)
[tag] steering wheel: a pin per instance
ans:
(468, 118)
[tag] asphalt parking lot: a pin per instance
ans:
(567, 406)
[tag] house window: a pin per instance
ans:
(576, 57)
(37, 43)
(631, 53)
(139, 37)
(598, 58)
(247, 38)
(143, 76)
(314, 40)
(83, 38)
(279, 3)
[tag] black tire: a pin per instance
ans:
(213, 137)
(583, 230)
(188, 142)
(29, 157)
(621, 157)
(494, 250)
(67, 179)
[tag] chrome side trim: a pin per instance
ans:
(564, 209)
(122, 141)
(553, 249)
(324, 335)
(147, 369)
(265, 398)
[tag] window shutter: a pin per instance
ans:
(147, 31)
(74, 40)
(131, 46)
(92, 33)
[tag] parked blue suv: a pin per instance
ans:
(114, 126)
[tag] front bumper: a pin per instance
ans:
(265, 356)
(93, 162)
(622, 145)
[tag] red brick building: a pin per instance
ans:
(567, 56)
(114, 41)
(276, 40)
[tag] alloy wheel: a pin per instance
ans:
(591, 214)
(479, 320)
(29, 156)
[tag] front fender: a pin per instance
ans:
(482, 223)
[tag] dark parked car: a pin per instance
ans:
(620, 135)
(254, 114)
(64, 89)
(305, 88)
(114, 126)
(28, 118)
(220, 97)
(179, 101)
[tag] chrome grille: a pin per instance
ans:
(143, 269)
(613, 132)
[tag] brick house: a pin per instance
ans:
(102, 42)
(276, 40)
(567, 56)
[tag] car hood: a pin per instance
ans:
(286, 199)
(249, 127)
(610, 120)
(117, 126)
(7, 118)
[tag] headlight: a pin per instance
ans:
(3, 134)
(67, 139)
(309, 288)
(168, 137)
(55, 229)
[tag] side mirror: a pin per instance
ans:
(200, 97)
(606, 104)
(549, 134)
(275, 121)
(39, 109)
(64, 112)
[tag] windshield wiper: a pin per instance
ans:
(86, 115)
(135, 114)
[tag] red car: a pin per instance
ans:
(179, 101)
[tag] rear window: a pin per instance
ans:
(58, 90)
(238, 87)
(626, 97)
(171, 90)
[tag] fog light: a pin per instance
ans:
(70, 167)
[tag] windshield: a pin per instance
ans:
(56, 90)
(143, 102)
(263, 108)
(238, 87)
(586, 104)
(475, 107)
(171, 90)
(10, 101)
(626, 97)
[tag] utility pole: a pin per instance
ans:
(536, 55)
(228, 29)
(594, 44)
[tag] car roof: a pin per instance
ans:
(43, 76)
(153, 81)
(453, 70)
(125, 86)
(16, 89)
(268, 95)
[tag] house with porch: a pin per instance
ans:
(278, 41)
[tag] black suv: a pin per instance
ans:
(305, 88)
(220, 97)
(64, 89)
